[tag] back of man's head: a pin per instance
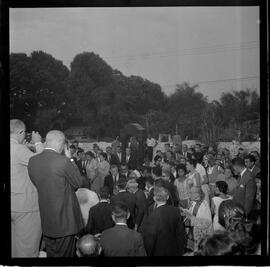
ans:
(55, 139)
(161, 194)
(121, 183)
(120, 211)
(16, 126)
(88, 246)
(157, 172)
(104, 193)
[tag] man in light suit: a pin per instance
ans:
(25, 217)
(56, 180)
(250, 162)
(245, 192)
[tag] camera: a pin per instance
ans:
(28, 137)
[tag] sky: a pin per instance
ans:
(214, 47)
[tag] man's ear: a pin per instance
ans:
(113, 217)
(78, 253)
(99, 250)
(128, 215)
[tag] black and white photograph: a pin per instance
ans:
(136, 132)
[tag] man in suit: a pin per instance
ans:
(81, 161)
(250, 161)
(56, 180)
(245, 192)
(111, 179)
(118, 157)
(163, 230)
(124, 170)
(141, 204)
(110, 156)
(185, 151)
(100, 215)
(25, 217)
(120, 241)
(149, 185)
(128, 198)
(130, 159)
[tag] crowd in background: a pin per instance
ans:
(183, 201)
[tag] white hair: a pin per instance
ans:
(16, 125)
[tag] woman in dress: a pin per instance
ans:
(221, 192)
(102, 171)
(91, 166)
(182, 186)
(193, 177)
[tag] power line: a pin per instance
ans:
(189, 51)
(218, 81)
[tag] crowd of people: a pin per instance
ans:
(68, 202)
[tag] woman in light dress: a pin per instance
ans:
(91, 166)
(103, 168)
(221, 194)
(193, 177)
(183, 188)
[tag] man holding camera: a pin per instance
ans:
(25, 217)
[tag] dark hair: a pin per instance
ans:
(159, 183)
(75, 141)
(121, 183)
(218, 244)
(251, 158)
(149, 180)
(193, 162)
(113, 166)
(157, 171)
(256, 152)
(72, 147)
(157, 157)
(91, 154)
(181, 167)
(104, 155)
(80, 150)
(120, 210)
(230, 215)
(222, 187)
(104, 192)
(238, 162)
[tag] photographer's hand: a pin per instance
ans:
(36, 138)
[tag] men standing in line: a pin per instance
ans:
(25, 217)
(56, 180)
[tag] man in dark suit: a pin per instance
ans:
(141, 204)
(120, 241)
(163, 230)
(81, 161)
(110, 156)
(100, 215)
(245, 192)
(56, 180)
(184, 151)
(250, 161)
(149, 184)
(125, 197)
(111, 179)
(130, 159)
(118, 157)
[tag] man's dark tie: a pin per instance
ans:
(114, 179)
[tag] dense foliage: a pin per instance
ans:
(46, 94)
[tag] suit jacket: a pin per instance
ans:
(245, 192)
(109, 182)
(255, 171)
(131, 162)
(141, 207)
(112, 159)
(120, 241)
(150, 200)
(56, 180)
(100, 218)
(128, 199)
(116, 160)
(80, 166)
(163, 232)
(24, 196)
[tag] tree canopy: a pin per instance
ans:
(45, 94)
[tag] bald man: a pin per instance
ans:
(25, 218)
(88, 246)
(56, 180)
